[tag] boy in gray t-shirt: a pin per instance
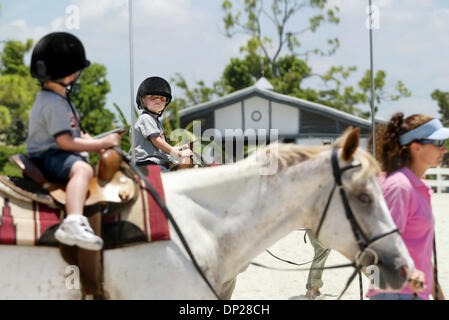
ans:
(153, 97)
(55, 135)
(50, 117)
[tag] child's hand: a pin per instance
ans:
(185, 153)
(112, 140)
(185, 147)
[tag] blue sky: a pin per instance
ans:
(185, 36)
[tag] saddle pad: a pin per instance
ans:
(23, 223)
(29, 223)
(145, 213)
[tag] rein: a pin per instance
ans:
(169, 216)
(362, 240)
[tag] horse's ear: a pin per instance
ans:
(351, 144)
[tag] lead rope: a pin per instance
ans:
(362, 240)
(297, 264)
(351, 278)
(435, 273)
(361, 285)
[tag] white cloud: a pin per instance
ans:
(20, 30)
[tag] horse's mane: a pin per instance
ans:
(288, 155)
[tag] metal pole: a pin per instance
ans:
(131, 73)
(373, 111)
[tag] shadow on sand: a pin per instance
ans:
(304, 297)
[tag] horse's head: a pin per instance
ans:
(357, 214)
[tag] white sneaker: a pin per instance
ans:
(77, 231)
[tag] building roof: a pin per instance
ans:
(264, 89)
(264, 84)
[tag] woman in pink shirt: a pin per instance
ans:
(406, 149)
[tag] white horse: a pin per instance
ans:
(229, 215)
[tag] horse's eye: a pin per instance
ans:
(364, 198)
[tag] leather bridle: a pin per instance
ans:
(363, 241)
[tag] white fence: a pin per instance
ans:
(438, 178)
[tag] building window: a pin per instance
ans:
(256, 116)
(315, 123)
(363, 130)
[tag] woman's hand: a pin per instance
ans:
(417, 281)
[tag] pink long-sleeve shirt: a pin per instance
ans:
(408, 199)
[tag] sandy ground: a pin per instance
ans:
(262, 284)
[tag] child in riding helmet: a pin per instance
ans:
(55, 135)
(153, 97)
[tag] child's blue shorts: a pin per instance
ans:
(56, 164)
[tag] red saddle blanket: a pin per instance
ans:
(31, 223)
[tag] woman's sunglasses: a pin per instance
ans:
(438, 143)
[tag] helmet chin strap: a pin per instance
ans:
(69, 86)
(158, 114)
(68, 92)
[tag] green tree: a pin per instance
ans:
(292, 71)
(237, 75)
(442, 98)
(125, 143)
(17, 91)
(249, 19)
(12, 57)
(89, 97)
(193, 96)
(16, 98)
(346, 98)
(6, 167)
(286, 72)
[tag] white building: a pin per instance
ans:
(258, 109)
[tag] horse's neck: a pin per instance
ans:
(245, 212)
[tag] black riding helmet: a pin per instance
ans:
(56, 56)
(154, 86)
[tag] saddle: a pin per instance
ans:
(113, 184)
